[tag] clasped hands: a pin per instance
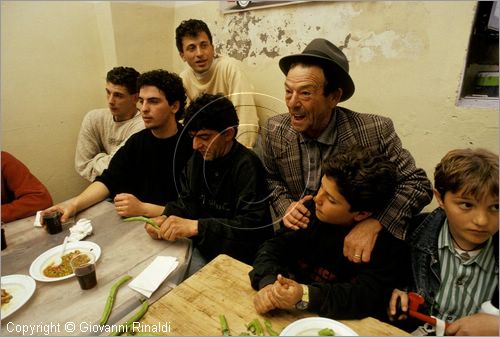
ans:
(284, 293)
(172, 228)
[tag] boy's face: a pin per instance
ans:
(471, 221)
(331, 206)
(157, 113)
(198, 52)
(123, 105)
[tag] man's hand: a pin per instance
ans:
(359, 243)
(176, 227)
(263, 300)
(392, 311)
(127, 205)
(67, 210)
(286, 292)
(479, 324)
(297, 215)
(153, 232)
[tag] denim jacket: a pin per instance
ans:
(425, 258)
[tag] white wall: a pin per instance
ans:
(51, 73)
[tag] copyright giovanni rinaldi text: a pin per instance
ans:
(83, 327)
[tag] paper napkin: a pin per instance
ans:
(81, 229)
(154, 275)
(37, 222)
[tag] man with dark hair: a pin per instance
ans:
(315, 128)
(104, 131)
(356, 184)
(222, 205)
(212, 74)
(142, 176)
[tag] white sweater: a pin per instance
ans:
(100, 137)
(225, 76)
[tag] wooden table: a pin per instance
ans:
(223, 287)
(126, 248)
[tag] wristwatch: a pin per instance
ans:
(304, 301)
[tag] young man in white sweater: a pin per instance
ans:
(211, 74)
(104, 131)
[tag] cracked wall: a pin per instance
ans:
(254, 37)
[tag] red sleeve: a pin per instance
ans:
(22, 193)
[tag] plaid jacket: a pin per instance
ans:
(286, 176)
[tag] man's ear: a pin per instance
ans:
(175, 107)
(181, 54)
(229, 134)
(439, 197)
(362, 215)
(335, 97)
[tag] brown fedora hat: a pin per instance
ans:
(326, 53)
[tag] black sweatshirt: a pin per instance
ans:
(148, 167)
(338, 288)
(228, 198)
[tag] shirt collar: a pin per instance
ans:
(327, 137)
(445, 241)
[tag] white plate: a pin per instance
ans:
(41, 262)
(311, 325)
(21, 287)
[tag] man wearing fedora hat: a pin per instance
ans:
(297, 143)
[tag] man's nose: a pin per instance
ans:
(196, 143)
(111, 99)
(293, 101)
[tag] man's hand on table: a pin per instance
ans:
(67, 210)
(263, 300)
(172, 228)
(297, 215)
(127, 205)
(359, 243)
(284, 293)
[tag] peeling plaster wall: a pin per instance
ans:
(406, 59)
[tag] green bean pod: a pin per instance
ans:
(255, 327)
(111, 298)
(223, 325)
(326, 332)
(128, 324)
(144, 219)
(269, 328)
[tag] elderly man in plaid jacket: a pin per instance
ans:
(315, 128)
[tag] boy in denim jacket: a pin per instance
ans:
(454, 251)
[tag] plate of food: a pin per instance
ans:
(16, 291)
(317, 326)
(44, 269)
